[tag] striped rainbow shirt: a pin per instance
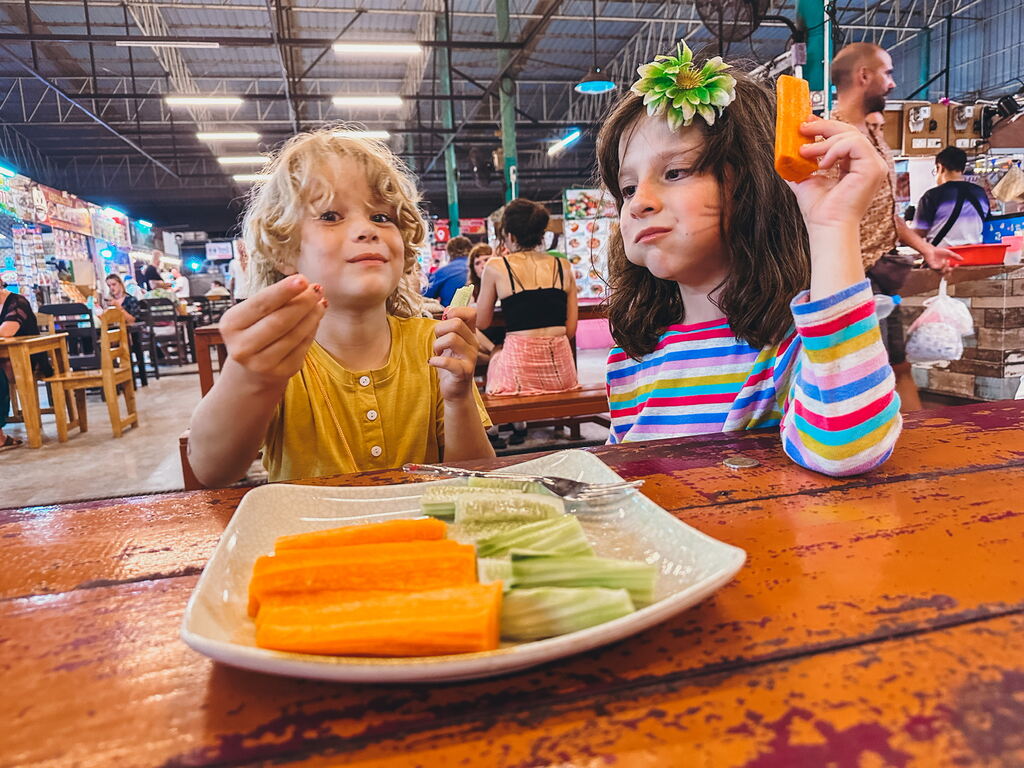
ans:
(828, 385)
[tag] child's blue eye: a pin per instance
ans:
(629, 190)
(330, 216)
(381, 218)
(676, 173)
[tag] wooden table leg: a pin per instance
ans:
(21, 363)
(204, 360)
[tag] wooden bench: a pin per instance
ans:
(588, 404)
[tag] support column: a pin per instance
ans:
(810, 15)
(507, 104)
(451, 173)
(924, 58)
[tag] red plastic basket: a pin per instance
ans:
(990, 253)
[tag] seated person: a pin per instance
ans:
(16, 319)
(218, 290)
(453, 275)
(119, 297)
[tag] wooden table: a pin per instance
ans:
(207, 338)
(879, 621)
(19, 350)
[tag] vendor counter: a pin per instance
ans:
(993, 359)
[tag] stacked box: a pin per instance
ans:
(993, 361)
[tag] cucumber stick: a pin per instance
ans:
(557, 536)
(489, 507)
(532, 614)
(536, 570)
(490, 569)
(501, 484)
(439, 500)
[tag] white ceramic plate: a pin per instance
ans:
(691, 567)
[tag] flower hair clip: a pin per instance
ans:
(671, 85)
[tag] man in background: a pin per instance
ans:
(453, 275)
(954, 212)
(862, 75)
(151, 278)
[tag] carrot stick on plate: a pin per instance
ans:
(792, 109)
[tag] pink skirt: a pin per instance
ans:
(532, 365)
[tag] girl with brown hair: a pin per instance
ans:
(710, 267)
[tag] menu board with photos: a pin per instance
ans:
(65, 211)
(587, 221)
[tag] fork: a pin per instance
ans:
(570, 490)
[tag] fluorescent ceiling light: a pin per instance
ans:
(367, 101)
(251, 176)
(227, 136)
(243, 160)
(5, 171)
(594, 82)
(362, 134)
(144, 223)
(202, 101)
(565, 141)
(114, 212)
(164, 44)
(379, 49)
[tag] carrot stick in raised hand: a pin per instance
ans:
(792, 109)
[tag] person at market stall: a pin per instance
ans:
(119, 297)
(330, 368)
(954, 211)
(875, 122)
(16, 319)
(238, 272)
(217, 290)
(179, 285)
(862, 74)
(538, 301)
(151, 278)
(739, 301)
(453, 275)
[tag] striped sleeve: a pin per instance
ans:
(841, 413)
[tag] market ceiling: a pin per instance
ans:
(83, 86)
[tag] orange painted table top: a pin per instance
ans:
(879, 621)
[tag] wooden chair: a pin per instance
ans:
(203, 302)
(45, 322)
(218, 306)
(115, 372)
(76, 320)
(164, 332)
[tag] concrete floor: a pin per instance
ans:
(145, 459)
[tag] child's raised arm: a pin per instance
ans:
(841, 412)
(267, 337)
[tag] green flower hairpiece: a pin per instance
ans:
(672, 85)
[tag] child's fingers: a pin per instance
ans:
(825, 128)
(279, 356)
(466, 314)
(445, 327)
(275, 326)
(456, 344)
(455, 366)
(264, 302)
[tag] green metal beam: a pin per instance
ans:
(451, 171)
(810, 15)
(507, 106)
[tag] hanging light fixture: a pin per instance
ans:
(595, 80)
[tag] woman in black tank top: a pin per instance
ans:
(538, 302)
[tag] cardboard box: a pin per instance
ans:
(924, 128)
(893, 130)
(964, 127)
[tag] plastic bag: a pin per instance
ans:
(936, 336)
(1011, 187)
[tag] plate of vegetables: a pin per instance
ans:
(444, 580)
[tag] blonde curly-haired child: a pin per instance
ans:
(331, 368)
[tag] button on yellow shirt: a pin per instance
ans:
(369, 419)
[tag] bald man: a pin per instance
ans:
(862, 75)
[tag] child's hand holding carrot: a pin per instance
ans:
(269, 334)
